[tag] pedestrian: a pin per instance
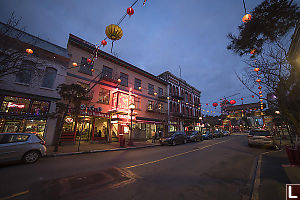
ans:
(153, 136)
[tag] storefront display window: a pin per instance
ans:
(84, 128)
(12, 127)
(39, 107)
(15, 105)
(35, 126)
(101, 128)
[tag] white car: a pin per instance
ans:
(27, 147)
(260, 137)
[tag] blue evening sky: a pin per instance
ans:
(160, 36)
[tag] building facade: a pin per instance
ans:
(113, 84)
(29, 96)
(184, 107)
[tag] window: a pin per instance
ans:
(39, 107)
(107, 72)
(150, 105)
(137, 103)
(137, 84)
(12, 138)
(160, 107)
(24, 75)
(85, 67)
(124, 79)
(160, 92)
(15, 105)
(104, 95)
(150, 89)
(49, 77)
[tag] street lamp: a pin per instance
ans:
(131, 107)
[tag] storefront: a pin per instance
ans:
(25, 115)
(90, 125)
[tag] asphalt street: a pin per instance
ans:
(221, 168)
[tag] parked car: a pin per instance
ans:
(217, 134)
(178, 137)
(21, 146)
(226, 133)
(207, 135)
(260, 137)
(194, 136)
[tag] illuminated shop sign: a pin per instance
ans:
(15, 105)
(90, 108)
(121, 101)
(127, 117)
(93, 113)
(69, 120)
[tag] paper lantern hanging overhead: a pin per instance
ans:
(252, 96)
(246, 18)
(259, 87)
(232, 102)
(29, 51)
(215, 104)
(130, 11)
(256, 69)
(114, 32)
(258, 80)
(103, 42)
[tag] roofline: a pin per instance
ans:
(90, 47)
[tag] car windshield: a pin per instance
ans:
(260, 133)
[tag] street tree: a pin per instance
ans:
(73, 95)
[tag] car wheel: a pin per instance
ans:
(31, 157)
(173, 142)
(184, 141)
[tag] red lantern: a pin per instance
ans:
(246, 18)
(74, 64)
(103, 42)
(232, 102)
(92, 70)
(261, 100)
(256, 69)
(260, 92)
(259, 87)
(207, 104)
(261, 95)
(29, 51)
(253, 51)
(242, 99)
(252, 96)
(130, 11)
(89, 60)
(215, 104)
(258, 80)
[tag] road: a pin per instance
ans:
(221, 168)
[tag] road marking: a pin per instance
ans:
(173, 156)
(15, 195)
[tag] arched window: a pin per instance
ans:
(24, 75)
(49, 77)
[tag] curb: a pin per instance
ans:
(98, 151)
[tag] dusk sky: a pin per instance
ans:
(160, 36)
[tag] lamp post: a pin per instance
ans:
(131, 107)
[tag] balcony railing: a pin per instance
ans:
(177, 96)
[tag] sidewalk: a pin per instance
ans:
(86, 147)
(275, 173)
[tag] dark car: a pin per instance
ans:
(207, 135)
(178, 137)
(194, 136)
(261, 137)
(226, 133)
(217, 134)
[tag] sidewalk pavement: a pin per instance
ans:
(87, 147)
(275, 173)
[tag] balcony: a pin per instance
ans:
(108, 77)
(177, 96)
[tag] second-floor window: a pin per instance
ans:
(160, 107)
(25, 73)
(150, 105)
(124, 79)
(150, 89)
(160, 92)
(137, 84)
(107, 72)
(85, 67)
(137, 102)
(104, 95)
(49, 77)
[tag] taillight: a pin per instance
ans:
(269, 136)
(42, 142)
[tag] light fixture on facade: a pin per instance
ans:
(277, 112)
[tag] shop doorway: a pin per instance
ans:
(84, 128)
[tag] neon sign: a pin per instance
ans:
(15, 105)
(122, 101)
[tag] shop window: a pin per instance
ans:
(137, 103)
(35, 126)
(160, 107)
(49, 77)
(15, 105)
(150, 105)
(124, 79)
(107, 72)
(24, 75)
(104, 95)
(137, 84)
(39, 107)
(160, 92)
(150, 89)
(85, 67)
